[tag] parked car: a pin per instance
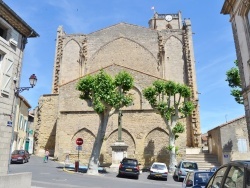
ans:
(235, 174)
(183, 168)
(197, 179)
(20, 156)
(129, 167)
(158, 170)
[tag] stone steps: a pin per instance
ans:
(205, 161)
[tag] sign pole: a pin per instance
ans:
(78, 154)
(79, 142)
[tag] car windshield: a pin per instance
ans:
(159, 166)
(129, 162)
(201, 178)
(189, 165)
(18, 152)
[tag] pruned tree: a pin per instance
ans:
(171, 101)
(233, 78)
(106, 95)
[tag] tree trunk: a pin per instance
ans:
(172, 153)
(94, 158)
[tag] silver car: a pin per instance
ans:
(183, 168)
(158, 170)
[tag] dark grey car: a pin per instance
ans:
(129, 167)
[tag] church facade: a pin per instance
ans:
(162, 51)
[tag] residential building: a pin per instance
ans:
(14, 32)
(229, 141)
(30, 137)
(21, 125)
(239, 12)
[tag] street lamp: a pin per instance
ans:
(32, 80)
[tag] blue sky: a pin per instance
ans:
(213, 43)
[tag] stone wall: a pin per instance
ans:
(45, 122)
(143, 131)
(148, 55)
(225, 140)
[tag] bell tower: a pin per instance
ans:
(166, 21)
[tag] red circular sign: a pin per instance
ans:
(79, 141)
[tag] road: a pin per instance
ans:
(52, 175)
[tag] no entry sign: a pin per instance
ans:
(79, 141)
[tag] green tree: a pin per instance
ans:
(170, 100)
(106, 95)
(233, 78)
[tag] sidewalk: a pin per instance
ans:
(70, 167)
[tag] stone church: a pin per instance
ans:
(164, 50)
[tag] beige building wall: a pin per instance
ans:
(230, 141)
(239, 12)
(12, 43)
(21, 123)
(45, 122)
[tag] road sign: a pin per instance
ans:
(79, 148)
(79, 141)
(9, 123)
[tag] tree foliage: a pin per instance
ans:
(105, 92)
(171, 101)
(233, 78)
(166, 98)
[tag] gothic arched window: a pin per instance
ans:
(168, 26)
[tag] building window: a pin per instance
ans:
(6, 74)
(1, 59)
(21, 122)
(3, 31)
(168, 26)
(242, 145)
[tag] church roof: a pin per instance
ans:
(124, 67)
(123, 24)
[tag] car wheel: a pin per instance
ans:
(23, 161)
(149, 177)
(137, 177)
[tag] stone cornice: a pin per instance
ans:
(228, 6)
(244, 7)
(15, 21)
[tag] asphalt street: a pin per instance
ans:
(53, 175)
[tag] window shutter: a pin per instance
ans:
(20, 121)
(14, 37)
(242, 145)
(7, 68)
(25, 126)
